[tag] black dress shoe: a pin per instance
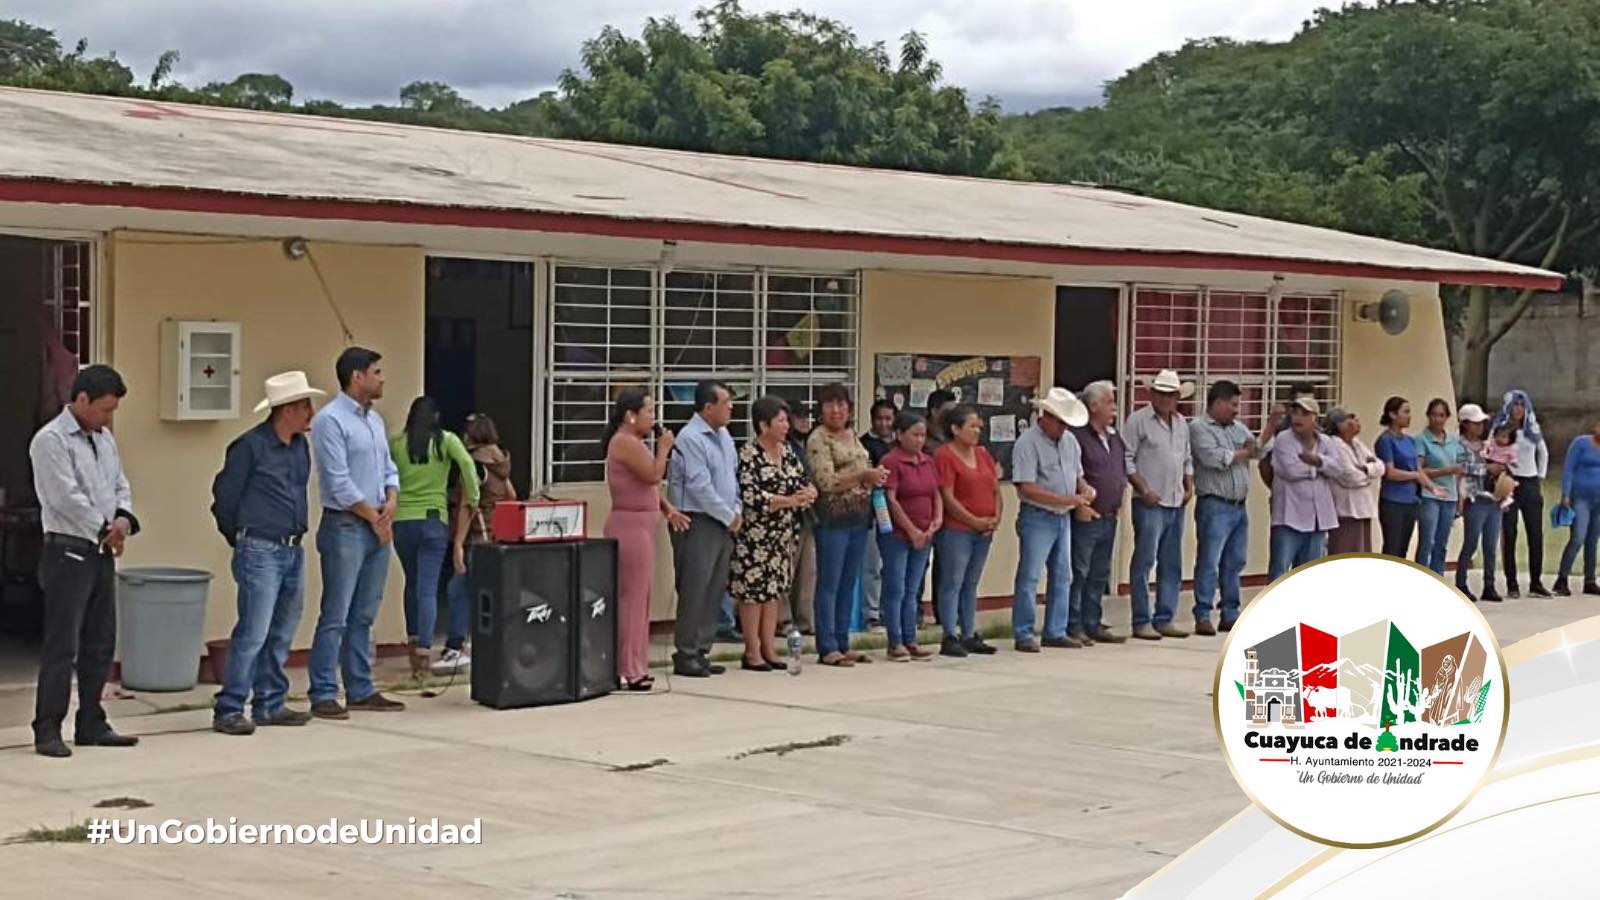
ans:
(1562, 590)
(55, 748)
(691, 668)
(1491, 597)
(234, 724)
(760, 667)
(107, 738)
(1591, 588)
(1538, 590)
(715, 669)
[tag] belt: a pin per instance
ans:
(1222, 499)
(71, 542)
(287, 540)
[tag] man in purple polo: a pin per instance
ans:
(1094, 527)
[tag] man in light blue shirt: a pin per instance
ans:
(703, 483)
(1047, 469)
(359, 486)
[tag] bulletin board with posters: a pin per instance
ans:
(1000, 388)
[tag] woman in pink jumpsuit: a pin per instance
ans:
(633, 471)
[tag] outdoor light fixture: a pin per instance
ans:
(295, 248)
(1275, 292)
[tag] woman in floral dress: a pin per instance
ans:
(773, 488)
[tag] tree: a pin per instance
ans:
(432, 97)
(25, 48)
(1491, 103)
(792, 86)
(1463, 124)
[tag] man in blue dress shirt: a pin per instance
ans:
(259, 502)
(359, 487)
(703, 482)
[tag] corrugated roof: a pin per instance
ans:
(75, 148)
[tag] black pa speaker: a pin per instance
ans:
(544, 628)
(595, 632)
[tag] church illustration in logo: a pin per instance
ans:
(1372, 676)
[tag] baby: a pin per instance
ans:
(1503, 450)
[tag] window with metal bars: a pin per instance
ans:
(69, 297)
(1261, 344)
(662, 332)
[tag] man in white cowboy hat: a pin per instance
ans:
(259, 503)
(1047, 469)
(1161, 471)
(1223, 453)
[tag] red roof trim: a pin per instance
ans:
(226, 203)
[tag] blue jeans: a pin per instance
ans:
(962, 555)
(1292, 548)
(354, 566)
(1157, 541)
(1092, 543)
(839, 564)
(460, 616)
(1482, 524)
(1223, 530)
(1585, 534)
(872, 579)
(1435, 518)
(421, 545)
(903, 568)
(272, 580)
(1045, 539)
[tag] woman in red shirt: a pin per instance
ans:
(918, 512)
(969, 483)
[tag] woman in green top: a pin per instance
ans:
(424, 454)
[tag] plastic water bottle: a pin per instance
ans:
(880, 509)
(797, 646)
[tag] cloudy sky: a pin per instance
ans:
(1030, 53)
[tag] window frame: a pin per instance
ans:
(1267, 384)
(760, 377)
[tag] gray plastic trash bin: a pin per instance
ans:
(161, 619)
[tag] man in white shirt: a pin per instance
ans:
(86, 508)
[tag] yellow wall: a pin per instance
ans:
(958, 315)
(285, 324)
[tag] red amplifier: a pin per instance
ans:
(539, 521)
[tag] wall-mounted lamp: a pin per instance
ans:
(1275, 291)
(295, 248)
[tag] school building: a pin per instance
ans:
(202, 249)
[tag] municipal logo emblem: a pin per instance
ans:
(1361, 701)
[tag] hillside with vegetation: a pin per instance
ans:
(1471, 125)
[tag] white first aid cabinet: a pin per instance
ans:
(199, 370)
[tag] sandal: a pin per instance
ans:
(859, 658)
(641, 684)
(837, 659)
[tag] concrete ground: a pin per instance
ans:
(1071, 774)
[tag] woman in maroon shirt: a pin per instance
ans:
(969, 482)
(918, 512)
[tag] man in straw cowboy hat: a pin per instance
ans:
(1047, 469)
(1161, 471)
(259, 503)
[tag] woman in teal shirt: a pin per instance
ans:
(1438, 451)
(425, 453)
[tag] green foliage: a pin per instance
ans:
(790, 85)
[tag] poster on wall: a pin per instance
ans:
(1001, 388)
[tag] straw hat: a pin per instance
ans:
(287, 388)
(1167, 382)
(1064, 405)
(1309, 404)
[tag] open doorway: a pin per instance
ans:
(478, 351)
(1086, 336)
(45, 308)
